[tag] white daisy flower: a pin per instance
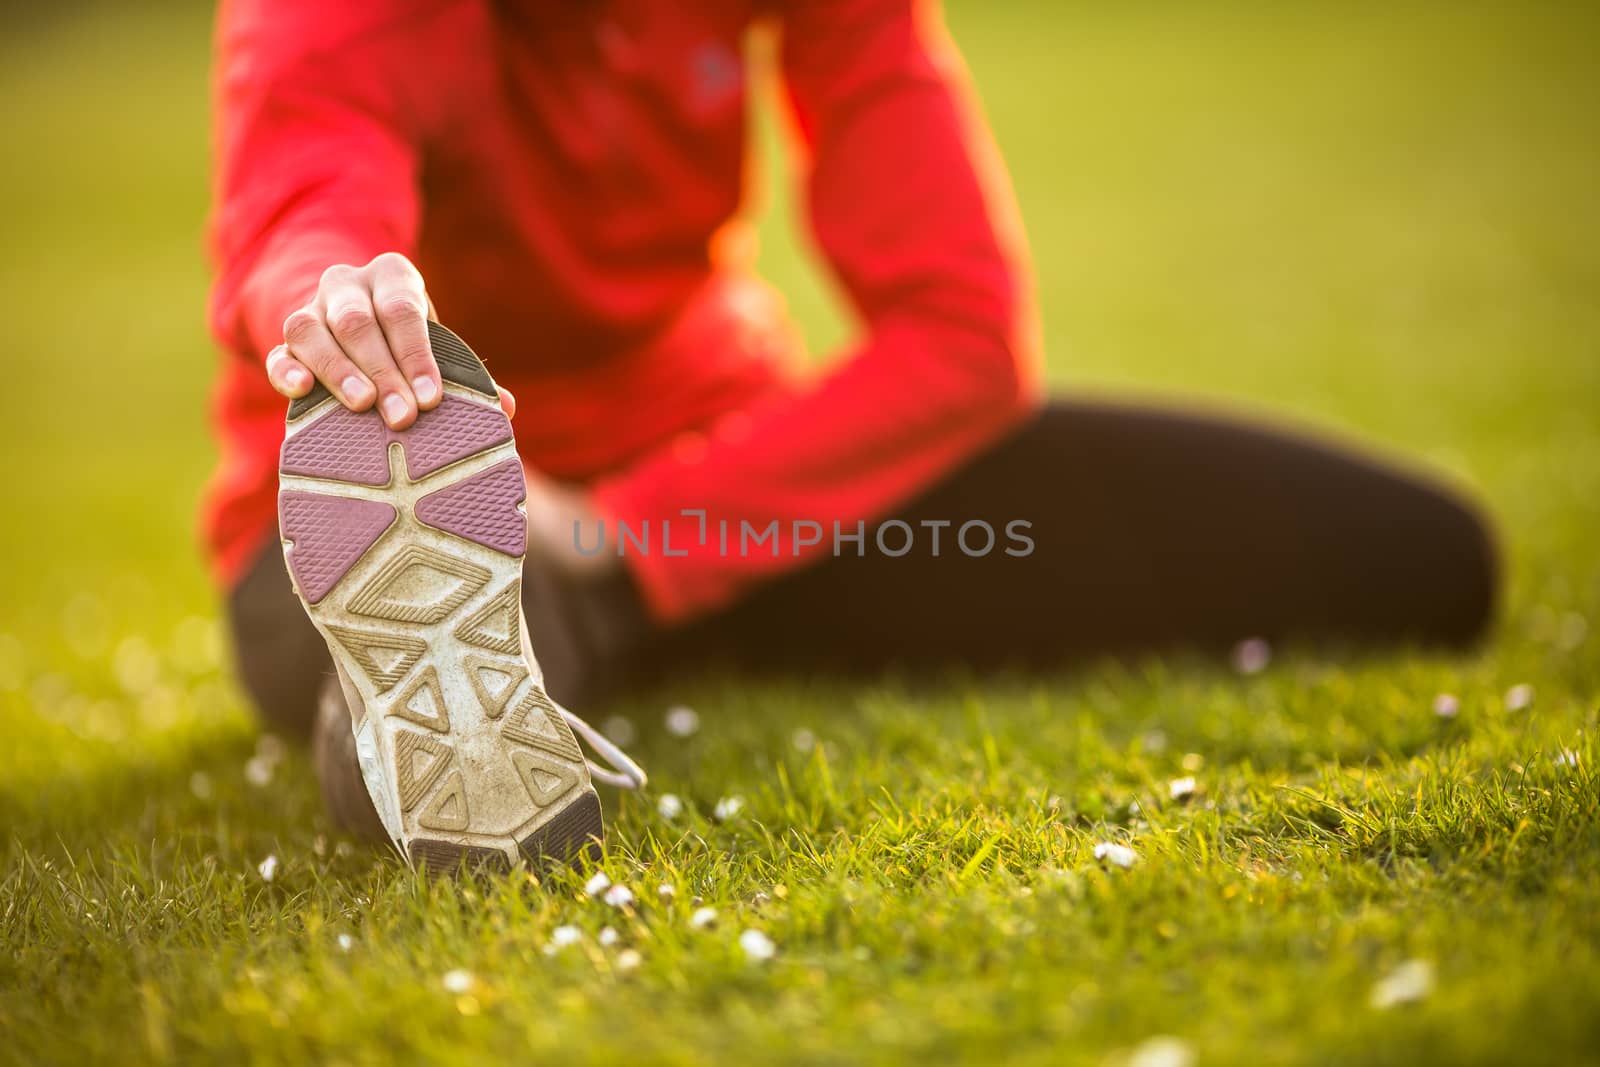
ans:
(1115, 854)
(1408, 983)
(561, 937)
(669, 805)
(1567, 758)
(757, 946)
(597, 884)
(456, 981)
(268, 868)
(1162, 1051)
(682, 721)
(628, 960)
(803, 740)
(1251, 655)
(618, 896)
(608, 937)
(666, 891)
(703, 917)
(1446, 706)
(258, 771)
(1181, 788)
(346, 942)
(1519, 697)
(728, 807)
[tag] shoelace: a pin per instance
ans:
(623, 773)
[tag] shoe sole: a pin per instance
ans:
(406, 548)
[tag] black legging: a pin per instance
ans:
(1150, 528)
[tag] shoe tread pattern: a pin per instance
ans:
(424, 616)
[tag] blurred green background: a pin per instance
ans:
(1383, 218)
(1380, 216)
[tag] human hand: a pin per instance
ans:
(364, 335)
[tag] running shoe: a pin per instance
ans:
(406, 549)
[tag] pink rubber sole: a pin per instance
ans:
(330, 533)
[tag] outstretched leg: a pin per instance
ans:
(1151, 528)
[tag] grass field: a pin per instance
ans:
(1380, 217)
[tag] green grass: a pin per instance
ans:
(1380, 217)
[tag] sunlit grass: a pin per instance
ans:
(1381, 218)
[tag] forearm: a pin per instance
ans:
(317, 155)
(247, 316)
(888, 421)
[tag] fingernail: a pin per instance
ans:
(394, 407)
(425, 389)
(297, 378)
(355, 390)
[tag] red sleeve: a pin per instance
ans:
(316, 149)
(914, 212)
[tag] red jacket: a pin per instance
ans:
(566, 173)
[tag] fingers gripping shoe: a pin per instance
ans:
(406, 549)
